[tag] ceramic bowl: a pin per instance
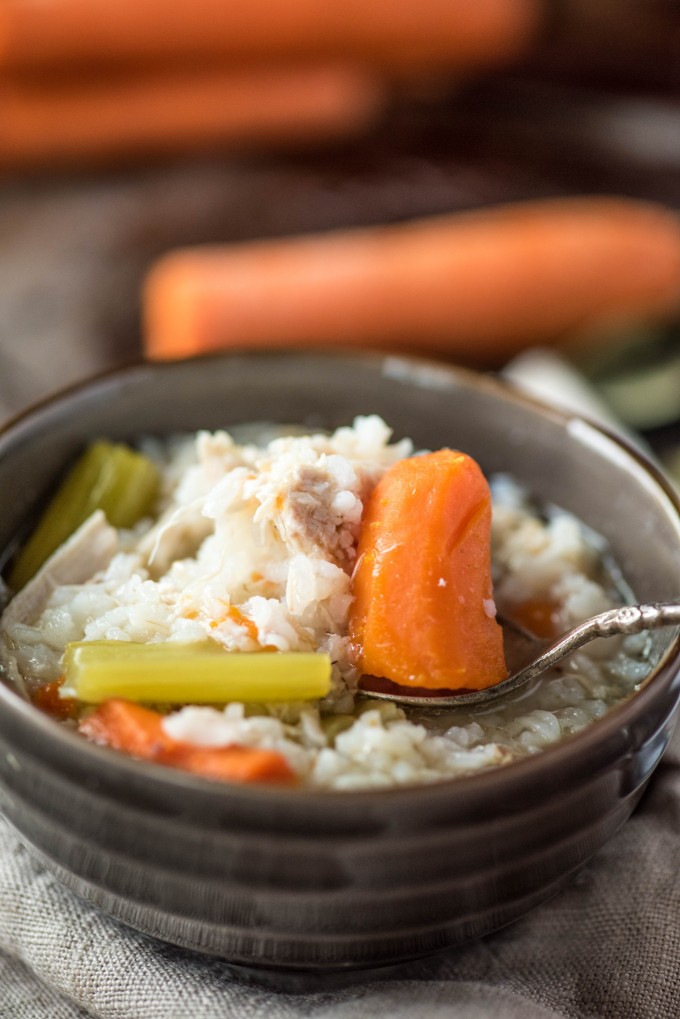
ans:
(286, 881)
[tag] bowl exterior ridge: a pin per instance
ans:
(322, 908)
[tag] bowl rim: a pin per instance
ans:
(420, 371)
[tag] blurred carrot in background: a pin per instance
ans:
(476, 286)
(458, 34)
(86, 82)
(89, 81)
(175, 110)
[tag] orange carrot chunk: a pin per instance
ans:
(423, 611)
(48, 699)
(232, 764)
(139, 731)
(540, 616)
(129, 727)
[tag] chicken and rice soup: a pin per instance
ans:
(252, 546)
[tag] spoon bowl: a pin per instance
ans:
(622, 621)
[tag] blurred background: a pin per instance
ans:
(130, 130)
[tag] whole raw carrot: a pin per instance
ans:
(454, 33)
(423, 613)
(47, 122)
(139, 731)
(477, 286)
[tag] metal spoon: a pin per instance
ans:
(627, 619)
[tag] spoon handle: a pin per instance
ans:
(625, 620)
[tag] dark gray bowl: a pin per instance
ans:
(303, 881)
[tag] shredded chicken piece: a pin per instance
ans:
(90, 549)
(314, 521)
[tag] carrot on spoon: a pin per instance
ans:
(423, 612)
(138, 731)
(477, 286)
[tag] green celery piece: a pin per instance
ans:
(108, 476)
(198, 673)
